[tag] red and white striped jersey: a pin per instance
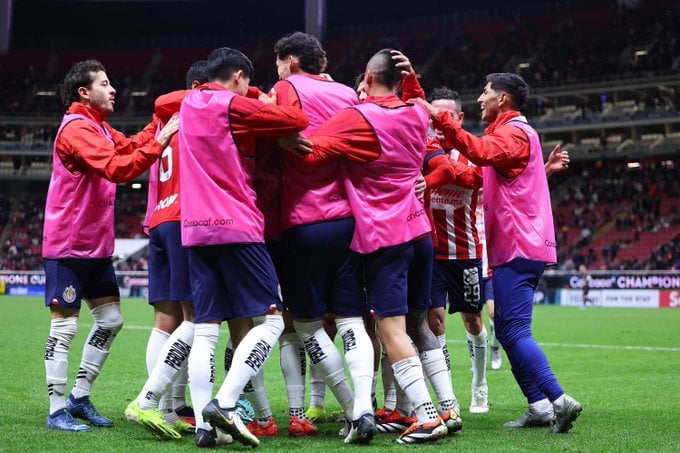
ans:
(454, 217)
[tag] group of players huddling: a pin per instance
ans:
(312, 210)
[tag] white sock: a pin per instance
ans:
(317, 387)
(62, 331)
(494, 341)
(172, 357)
(293, 363)
(202, 369)
(408, 373)
(357, 345)
(165, 406)
(402, 403)
(179, 387)
(559, 402)
(477, 348)
(249, 356)
(256, 394)
(323, 353)
(157, 340)
(434, 367)
(544, 404)
(107, 323)
(389, 388)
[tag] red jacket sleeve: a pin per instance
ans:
(286, 94)
(81, 147)
(440, 169)
(346, 135)
(168, 104)
(252, 119)
(506, 149)
(411, 88)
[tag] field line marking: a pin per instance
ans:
(595, 346)
(549, 345)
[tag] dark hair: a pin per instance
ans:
(197, 71)
(511, 83)
(447, 94)
(384, 69)
(306, 48)
(358, 80)
(81, 74)
(224, 62)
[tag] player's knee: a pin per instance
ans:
(274, 323)
(108, 316)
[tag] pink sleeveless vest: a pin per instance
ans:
(518, 215)
(381, 192)
(79, 209)
(320, 195)
(216, 187)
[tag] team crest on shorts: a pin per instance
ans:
(471, 276)
(69, 294)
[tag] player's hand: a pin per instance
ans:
(557, 161)
(402, 62)
(431, 110)
(296, 145)
(420, 187)
(269, 99)
(168, 131)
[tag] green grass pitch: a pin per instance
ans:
(623, 365)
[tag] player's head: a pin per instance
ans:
(299, 52)
(230, 68)
(504, 91)
(86, 82)
(360, 86)
(443, 98)
(382, 71)
(197, 74)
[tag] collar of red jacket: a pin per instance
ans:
(212, 86)
(389, 100)
(82, 109)
(501, 120)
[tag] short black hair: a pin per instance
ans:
(306, 48)
(444, 93)
(197, 71)
(511, 83)
(384, 68)
(81, 74)
(358, 80)
(223, 62)
(447, 94)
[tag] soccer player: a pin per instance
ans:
(319, 272)
(558, 161)
(520, 238)
(169, 287)
(232, 274)
(382, 146)
(453, 191)
(90, 158)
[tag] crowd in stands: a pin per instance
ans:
(583, 45)
(607, 216)
(607, 211)
(21, 223)
(21, 231)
